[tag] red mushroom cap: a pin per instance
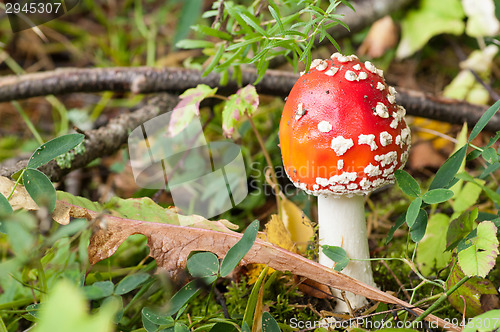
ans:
(341, 131)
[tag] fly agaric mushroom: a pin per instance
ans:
(342, 136)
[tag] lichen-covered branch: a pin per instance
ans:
(104, 141)
(177, 80)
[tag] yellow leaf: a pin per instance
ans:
(297, 224)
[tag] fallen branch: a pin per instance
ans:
(104, 141)
(176, 80)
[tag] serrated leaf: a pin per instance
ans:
(130, 282)
(459, 228)
(413, 210)
(484, 323)
(245, 100)
(188, 108)
(40, 188)
(338, 255)
(446, 17)
(407, 183)
(239, 250)
(436, 196)
(476, 292)
(53, 148)
(417, 231)
(480, 257)
(431, 253)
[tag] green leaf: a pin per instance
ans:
(189, 44)
(449, 169)
(203, 264)
(245, 100)
(431, 255)
(407, 183)
(475, 292)
(269, 324)
(437, 196)
(399, 222)
(240, 249)
(490, 155)
(98, 290)
(223, 327)
(480, 257)
(211, 32)
(5, 207)
(485, 118)
(20, 230)
(413, 210)
(188, 108)
(183, 296)
(417, 231)
(66, 310)
(459, 228)
(190, 13)
(34, 310)
(467, 197)
(254, 298)
(338, 255)
(40, 188)
(484, 323)
(446, 17)
(152, 319)
(143, 209)
(215, 60)
(53, 148)
(130, 282)
(274, 10)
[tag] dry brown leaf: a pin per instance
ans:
(20, 199)
(170, 246)
(383, 35)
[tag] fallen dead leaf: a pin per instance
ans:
(20, 199)
(383, 35)
(170, 246)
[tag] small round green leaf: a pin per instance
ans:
(131, 282)
(269, 324)
(34, 309)
(5, 207)
(53, 148)
(437, 196)
(412, 212)
(240, 249)
(183, 296)
(407, 183)
(223, 327)
(490, 155)
(40, 188)
(98, 290)
(338, 255)
(203, 264)
(154, 317)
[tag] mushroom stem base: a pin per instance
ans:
(342, 223)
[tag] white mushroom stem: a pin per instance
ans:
(342, 223)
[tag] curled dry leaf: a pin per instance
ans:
(20, 199)
(170, 246)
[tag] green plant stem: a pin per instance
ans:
(441, 299)
(16, 184)
(42, 279)
(269, 163)
(28, 122)
(16, 303)
(3, 328)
